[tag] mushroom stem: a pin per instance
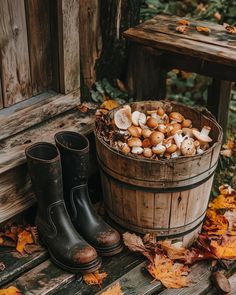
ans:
(205, 131)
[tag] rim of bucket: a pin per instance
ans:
(165, 161)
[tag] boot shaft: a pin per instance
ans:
(44, 166)
(74, 150)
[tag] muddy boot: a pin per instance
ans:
(74, 150)
(66, 247)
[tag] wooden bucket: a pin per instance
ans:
(167, 197)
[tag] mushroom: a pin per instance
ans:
(178, 138)
(138, 118)
(137, 150)
(146, 143)
(203, 135)
(151, 112)
(171, 149)
(186, 123)
(133, 131)
(147, 152)
(142, 120)
(188, 132)
(187, 147)
(125, 149)
(134, 141)
(162, 128)
(160, 112)
(122, 118)
(152, 123)
(146, 132)
(159, 149)
(176, 117)
(175, 128)
(156, 137)
(139, 130)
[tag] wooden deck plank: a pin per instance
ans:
(17, 264)
(115, 267)
(136, 282)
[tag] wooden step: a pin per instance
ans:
(16, 194)
(16, 264)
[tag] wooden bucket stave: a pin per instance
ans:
(168, 197)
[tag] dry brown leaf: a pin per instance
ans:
(231, 218)
(24, 238)
(133, 242)
(95, 278)
(225, 248)
(173, 252)
(204, 30)
(83, 108)
(172, 275)
(230, 29)
(223, 202)
(215, 224)
(10, 291)
(184, 22)
(182, 29)
(113, 290)
(226, 189)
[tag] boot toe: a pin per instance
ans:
(109, 238)
(85, 255)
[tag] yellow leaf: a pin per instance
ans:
(94, 278)
(172, 275)
(215, 224)
(24, 238)
(182, 29)
(109, 104)
(10, 291)
(225, 248)
(230, 29)
(203, 29)
(223, 202)
(113, 290)
(184, 22)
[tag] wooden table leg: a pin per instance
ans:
(146, 78)
(219, 95)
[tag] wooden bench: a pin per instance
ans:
(156, 48)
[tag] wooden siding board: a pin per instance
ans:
(15, 67)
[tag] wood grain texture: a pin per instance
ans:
(16, 264)
(1, 97)
(90, 41)
(160, 33)
(15, 67)
(40, 47)
(69, 53)
(50, 104)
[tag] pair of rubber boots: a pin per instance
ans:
(67, 223)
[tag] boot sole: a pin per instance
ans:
(83, 270)
(111, 252)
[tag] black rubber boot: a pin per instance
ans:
(74, 150)
(66, 247)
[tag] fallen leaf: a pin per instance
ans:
(113, 290)
(109, 104)
(223, 202)
(215, 224)
(172, 251)
(226, 153)
(10, 291)
(133, 242)
(226, 189)
(95, 278)
(225, 248)
(24, 238)
(230, 29)
(83, 108)
(182, 29)
(184, 22)
(172, 275)
(204, 30)
(231, 218)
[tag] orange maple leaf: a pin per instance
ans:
(204, 30)
(24, 238)
(113, 290)
(172, 275)
(223, 202)
(225, 248)
(215, 224)
(10, 291)
(183, 22)
(95, 278)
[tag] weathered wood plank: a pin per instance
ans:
(1, 99)
(15, 187)
(35, 110)
(115, 266)
(69, 54)
(136, 282)
(17, 264)
(46, 278)
(40, 47)
(15, 67)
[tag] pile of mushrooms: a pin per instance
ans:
(159, 135)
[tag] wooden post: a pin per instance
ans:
(218, 101)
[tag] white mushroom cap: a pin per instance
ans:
(122, 118)
(203, 135)
(137, 150)
(142, 119)
(188, 148)
(159, 149)
(135, 117)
